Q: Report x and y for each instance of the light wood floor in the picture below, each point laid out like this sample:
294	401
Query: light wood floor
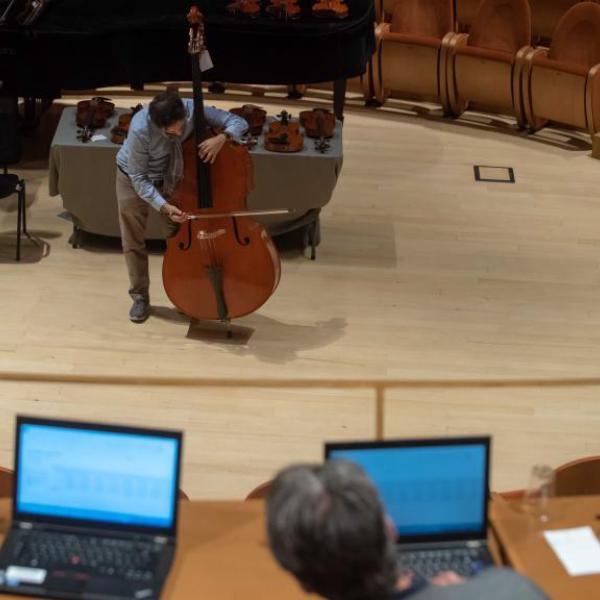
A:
422	274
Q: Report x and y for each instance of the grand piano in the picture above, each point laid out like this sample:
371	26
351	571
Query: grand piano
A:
79	44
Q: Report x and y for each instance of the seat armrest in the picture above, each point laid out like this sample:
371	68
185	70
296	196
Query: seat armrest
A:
592	100
527	61
450	42
381	29
518	66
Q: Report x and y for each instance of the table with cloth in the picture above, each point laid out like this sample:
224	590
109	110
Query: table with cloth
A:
84	175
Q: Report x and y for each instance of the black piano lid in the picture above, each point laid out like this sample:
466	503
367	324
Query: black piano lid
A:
78	44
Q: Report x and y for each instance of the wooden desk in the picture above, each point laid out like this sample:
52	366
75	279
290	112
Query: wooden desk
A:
222	555
526	550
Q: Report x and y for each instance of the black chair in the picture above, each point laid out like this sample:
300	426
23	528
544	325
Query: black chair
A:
10	152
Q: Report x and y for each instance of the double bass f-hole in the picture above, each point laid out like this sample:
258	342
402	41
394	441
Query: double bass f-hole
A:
236	231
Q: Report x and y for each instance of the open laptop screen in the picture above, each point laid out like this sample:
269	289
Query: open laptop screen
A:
431	489
113	476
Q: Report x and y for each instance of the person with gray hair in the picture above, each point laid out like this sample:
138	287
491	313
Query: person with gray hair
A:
327	526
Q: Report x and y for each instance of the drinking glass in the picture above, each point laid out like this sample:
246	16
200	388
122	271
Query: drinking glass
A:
541	487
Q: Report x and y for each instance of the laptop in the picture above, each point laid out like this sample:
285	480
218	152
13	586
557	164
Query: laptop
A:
94	510
436	492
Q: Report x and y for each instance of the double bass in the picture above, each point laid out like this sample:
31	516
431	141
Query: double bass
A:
221	264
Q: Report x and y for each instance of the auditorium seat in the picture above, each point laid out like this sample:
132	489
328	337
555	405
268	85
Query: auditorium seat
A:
6	482
562	84
409	49
384	9
260	491
466	10
579	477
545	15
484	66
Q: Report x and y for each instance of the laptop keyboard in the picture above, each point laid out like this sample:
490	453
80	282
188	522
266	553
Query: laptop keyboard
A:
428	563
134	561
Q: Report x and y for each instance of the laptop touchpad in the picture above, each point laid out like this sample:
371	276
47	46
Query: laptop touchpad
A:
109	586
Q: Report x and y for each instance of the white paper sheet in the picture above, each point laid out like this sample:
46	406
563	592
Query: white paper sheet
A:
98	137
578	549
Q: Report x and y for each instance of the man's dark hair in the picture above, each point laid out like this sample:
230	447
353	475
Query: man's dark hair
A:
327	526
166	108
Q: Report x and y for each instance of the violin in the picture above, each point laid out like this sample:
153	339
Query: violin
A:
119	132
254	115
284	9
330	9
318	123
221	264
91	115
246	8
284	135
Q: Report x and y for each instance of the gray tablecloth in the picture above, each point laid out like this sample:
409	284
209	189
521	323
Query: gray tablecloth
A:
84	175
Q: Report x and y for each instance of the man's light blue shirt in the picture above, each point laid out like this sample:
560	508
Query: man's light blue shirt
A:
146	153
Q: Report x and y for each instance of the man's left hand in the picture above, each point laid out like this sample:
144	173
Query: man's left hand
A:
210	147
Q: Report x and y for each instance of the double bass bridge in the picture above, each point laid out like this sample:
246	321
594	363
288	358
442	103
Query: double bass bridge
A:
210	235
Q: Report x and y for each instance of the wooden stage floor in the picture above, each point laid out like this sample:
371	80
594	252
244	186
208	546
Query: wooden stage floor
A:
423	273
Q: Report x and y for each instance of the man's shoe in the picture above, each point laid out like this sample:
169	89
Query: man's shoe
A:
139	311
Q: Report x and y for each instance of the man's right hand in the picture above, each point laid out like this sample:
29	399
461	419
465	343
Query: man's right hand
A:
174	213
447	578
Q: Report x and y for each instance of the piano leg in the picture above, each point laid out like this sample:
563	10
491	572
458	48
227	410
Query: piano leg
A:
294	92
29	111
339	98
216	87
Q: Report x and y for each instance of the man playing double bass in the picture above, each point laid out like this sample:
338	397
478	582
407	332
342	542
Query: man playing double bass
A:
149	167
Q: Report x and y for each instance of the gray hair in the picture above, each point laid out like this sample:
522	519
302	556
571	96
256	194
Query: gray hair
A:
326	525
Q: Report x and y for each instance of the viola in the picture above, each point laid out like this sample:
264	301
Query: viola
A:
284	135
254	115
330	9
284	9
91	115
119	132
221	264
245	8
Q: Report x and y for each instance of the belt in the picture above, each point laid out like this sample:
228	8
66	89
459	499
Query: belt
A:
155	183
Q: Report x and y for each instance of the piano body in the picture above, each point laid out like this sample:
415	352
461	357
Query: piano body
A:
78	44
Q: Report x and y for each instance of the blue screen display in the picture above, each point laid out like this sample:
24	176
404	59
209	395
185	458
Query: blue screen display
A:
112	477
428	490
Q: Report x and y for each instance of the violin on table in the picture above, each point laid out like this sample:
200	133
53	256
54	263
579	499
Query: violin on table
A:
318	123
330	9
119	132
284	9
244	8
284	135
91	115
254	115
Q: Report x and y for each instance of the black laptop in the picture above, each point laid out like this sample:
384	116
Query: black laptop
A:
436	492
94	511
